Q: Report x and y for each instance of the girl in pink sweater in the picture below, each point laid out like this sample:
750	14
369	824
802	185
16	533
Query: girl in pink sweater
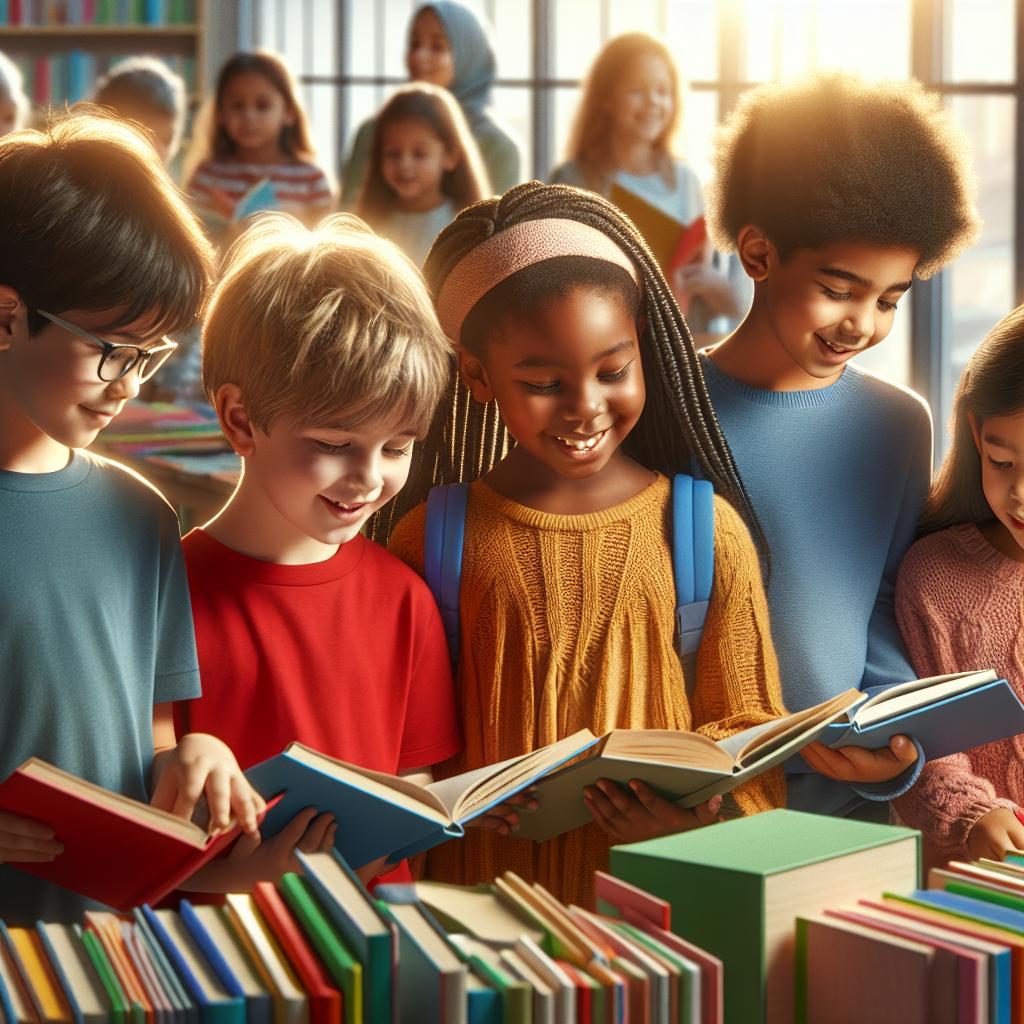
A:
960	601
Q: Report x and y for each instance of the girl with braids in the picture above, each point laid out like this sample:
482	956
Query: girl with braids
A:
578	396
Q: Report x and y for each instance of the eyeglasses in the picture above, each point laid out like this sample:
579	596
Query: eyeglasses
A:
119	360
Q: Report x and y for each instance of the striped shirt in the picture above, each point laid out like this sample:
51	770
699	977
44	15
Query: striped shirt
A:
298	186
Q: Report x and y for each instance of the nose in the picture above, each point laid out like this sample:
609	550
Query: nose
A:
859	324
126	387
585	403
366	475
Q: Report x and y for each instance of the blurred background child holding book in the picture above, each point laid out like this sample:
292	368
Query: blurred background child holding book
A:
13	101
424	167
572	346
960	601
255	130
621	145
450	46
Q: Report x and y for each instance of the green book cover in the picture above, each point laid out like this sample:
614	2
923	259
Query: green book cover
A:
95	951
343	967
980	892
727	884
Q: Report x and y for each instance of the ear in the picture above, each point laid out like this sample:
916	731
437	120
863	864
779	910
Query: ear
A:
756	251
975	429
474	376
451	160
13	316
234	420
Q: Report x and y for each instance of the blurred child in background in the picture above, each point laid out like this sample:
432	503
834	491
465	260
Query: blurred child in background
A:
13	101
424	167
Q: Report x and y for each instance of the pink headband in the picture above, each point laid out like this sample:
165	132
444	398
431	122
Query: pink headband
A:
511	250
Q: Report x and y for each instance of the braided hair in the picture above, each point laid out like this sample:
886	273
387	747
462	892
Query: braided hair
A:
677	432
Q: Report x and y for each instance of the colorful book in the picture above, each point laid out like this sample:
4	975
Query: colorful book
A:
361	926
259	198
736	888
325	996
117	850
485	961
40	982
81	984
672	243
120	1011
477	911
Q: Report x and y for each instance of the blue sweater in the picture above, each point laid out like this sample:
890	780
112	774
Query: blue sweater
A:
837	477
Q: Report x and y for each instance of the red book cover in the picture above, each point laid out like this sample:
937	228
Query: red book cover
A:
325	1006
116	850
689	246
584	1008
14	12
630	902
41	81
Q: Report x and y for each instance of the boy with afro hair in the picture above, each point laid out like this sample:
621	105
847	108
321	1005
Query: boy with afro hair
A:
835	193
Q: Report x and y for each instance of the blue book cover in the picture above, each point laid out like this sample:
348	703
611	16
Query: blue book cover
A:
186	1010
381	815
962	715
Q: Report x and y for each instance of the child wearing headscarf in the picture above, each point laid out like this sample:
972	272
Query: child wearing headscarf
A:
449	46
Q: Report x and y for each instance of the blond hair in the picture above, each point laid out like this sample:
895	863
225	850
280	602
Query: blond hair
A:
332	326
591	134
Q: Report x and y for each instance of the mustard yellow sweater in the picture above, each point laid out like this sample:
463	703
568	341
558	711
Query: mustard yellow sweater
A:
567	623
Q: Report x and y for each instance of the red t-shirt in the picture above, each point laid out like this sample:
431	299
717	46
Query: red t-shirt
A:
347	656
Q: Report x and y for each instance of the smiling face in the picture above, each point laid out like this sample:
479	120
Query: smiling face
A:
1000	443
320	484
413	164
253	112
821	307
50	385
429	57
641	103
568	382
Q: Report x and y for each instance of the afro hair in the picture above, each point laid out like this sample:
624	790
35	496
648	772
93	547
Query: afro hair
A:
833	158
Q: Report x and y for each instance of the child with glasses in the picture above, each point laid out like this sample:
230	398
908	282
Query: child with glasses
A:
99	258
324	360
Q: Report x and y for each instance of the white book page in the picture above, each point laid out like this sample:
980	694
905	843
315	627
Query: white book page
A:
919	693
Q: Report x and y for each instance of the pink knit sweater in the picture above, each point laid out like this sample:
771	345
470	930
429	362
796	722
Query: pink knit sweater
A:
960	606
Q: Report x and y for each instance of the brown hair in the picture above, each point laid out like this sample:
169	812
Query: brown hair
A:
140	87
590	139
991	385
466	183
323	323
834	158
212	141
92	221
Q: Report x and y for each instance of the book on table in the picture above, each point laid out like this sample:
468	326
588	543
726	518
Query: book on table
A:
117	850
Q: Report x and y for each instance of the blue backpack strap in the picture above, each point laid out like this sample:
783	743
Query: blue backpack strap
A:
693	564
442	554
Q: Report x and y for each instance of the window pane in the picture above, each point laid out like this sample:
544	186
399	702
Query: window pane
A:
981	280
513	36
360	47
577	37
566	103
980	40
692	32
633	16
788	38
513	107
395	24
700	117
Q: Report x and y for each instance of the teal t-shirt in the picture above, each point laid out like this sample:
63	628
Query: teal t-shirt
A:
97	628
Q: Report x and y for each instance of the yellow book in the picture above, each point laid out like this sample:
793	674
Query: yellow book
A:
38	974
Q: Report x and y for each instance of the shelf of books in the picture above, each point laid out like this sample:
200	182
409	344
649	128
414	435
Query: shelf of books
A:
62	46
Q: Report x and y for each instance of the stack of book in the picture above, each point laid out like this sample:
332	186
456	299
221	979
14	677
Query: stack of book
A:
97	12
949	954
318	948
185	438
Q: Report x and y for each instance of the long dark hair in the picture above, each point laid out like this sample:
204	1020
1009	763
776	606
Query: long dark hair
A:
991	385
677	432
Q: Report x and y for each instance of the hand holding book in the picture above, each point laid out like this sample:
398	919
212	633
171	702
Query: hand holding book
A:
26	840
860	764
634	813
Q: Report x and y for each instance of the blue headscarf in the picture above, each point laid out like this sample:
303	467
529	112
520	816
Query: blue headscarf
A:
472	55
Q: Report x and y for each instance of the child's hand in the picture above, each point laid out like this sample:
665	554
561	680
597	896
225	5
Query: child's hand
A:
629	817
251	860
994	833
24	840
200	764
504	819
857	764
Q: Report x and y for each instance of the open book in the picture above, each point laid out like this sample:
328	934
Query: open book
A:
673	243
383	815
258	199
945	714
116	850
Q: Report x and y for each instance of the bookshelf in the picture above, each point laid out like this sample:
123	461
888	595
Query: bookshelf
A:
63	46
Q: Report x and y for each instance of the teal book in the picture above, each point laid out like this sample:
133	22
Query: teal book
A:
354	914
396	817
945	714
737	887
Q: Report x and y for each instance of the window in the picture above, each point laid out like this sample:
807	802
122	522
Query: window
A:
349	55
